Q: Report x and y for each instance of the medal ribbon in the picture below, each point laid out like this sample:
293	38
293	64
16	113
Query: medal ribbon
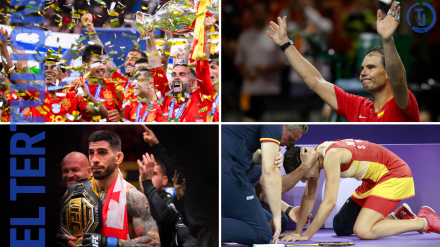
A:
214	107
147	111
179	112
98	90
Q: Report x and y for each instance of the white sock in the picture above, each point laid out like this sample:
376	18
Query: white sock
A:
426	224
394	216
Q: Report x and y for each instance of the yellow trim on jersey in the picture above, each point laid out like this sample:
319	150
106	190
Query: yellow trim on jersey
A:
269	140
393	189
376	171
380	114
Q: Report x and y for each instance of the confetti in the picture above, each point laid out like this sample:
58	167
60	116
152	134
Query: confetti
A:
128	36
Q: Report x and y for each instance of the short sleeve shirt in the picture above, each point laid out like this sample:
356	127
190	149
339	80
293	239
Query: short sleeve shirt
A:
360	109
239	142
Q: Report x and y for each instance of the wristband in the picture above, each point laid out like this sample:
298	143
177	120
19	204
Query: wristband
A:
288	210
112	242
286	45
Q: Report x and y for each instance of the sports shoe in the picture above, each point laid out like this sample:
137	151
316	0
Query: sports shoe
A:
426	210
433	222
404	212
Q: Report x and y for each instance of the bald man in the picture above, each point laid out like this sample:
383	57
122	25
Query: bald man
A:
74	166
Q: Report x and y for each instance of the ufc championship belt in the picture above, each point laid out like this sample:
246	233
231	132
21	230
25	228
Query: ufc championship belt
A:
81	210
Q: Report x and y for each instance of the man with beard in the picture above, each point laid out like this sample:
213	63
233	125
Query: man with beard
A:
74	166
144	107
392	100
130	71
182	103
96	82
59	104
126	212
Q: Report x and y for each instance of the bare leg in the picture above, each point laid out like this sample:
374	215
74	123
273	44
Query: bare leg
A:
372	225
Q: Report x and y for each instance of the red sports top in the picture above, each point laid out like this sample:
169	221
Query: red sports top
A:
125	84
195	109
374	164
360	109
112	96
131	110
58	107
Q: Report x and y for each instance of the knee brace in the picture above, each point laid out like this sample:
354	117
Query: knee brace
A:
344	220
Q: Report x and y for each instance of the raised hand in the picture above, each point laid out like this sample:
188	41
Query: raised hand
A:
149	136
89	22
4	36
279	35
180	188
146	167
388	25
209	22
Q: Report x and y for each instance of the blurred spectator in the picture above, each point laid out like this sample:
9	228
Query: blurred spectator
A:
310	31
258	60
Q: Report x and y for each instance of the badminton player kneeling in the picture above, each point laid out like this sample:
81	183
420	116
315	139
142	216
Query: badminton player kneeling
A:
386	180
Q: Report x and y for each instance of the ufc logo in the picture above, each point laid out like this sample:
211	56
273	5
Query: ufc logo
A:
94	240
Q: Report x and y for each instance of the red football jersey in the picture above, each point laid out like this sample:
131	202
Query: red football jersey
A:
359	109
195	109
131	111
161	87
59	107
125	83
109	93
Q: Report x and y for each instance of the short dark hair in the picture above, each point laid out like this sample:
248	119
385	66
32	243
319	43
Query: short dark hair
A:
96	49
141	60
162	167
213	59
108	136
378	49
56	59
193	72
143	54
292	159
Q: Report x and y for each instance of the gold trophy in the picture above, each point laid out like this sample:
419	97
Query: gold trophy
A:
175	16
81	210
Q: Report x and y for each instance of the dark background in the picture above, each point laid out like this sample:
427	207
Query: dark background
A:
195	148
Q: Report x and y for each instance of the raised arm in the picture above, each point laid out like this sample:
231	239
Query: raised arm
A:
152	51
159	151
272	183
166	50
6	58
87	20
393	64
159	208
304	68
